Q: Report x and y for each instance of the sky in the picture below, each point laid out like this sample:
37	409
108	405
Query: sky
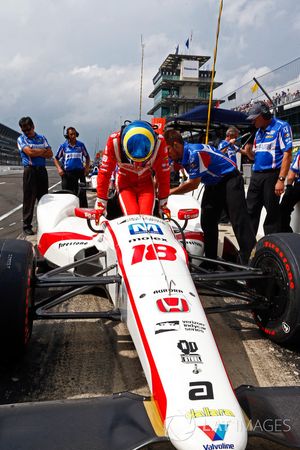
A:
78	62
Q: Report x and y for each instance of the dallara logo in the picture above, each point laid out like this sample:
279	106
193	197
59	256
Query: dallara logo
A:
208	412
145	227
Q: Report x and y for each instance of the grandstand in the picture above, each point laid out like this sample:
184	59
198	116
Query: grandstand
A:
9	155
283	87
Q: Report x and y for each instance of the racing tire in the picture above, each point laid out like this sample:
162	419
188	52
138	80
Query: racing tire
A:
16	295
279	255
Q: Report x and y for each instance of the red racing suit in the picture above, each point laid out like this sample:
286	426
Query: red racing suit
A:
135	181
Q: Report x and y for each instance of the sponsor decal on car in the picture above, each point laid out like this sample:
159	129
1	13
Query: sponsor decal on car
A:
145	238
222	446
162	327
172	304
69	243
192	325
201	390
216	434
189	355
208	412
135	218
144	227
162	291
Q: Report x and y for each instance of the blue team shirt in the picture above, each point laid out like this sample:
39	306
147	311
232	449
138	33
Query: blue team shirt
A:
72	157
37	141
270	145
207	162
295	166
230	150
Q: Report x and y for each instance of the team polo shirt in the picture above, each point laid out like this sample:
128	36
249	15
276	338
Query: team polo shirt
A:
270	145
37	141
295	166
207	162
72	156
230	150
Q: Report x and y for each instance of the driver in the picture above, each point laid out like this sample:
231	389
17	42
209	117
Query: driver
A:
141	159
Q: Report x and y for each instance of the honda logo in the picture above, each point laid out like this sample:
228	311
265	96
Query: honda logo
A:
172	304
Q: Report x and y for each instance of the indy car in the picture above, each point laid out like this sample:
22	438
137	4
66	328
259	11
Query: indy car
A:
154	273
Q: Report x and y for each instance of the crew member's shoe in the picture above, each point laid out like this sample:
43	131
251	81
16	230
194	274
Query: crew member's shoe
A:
28	231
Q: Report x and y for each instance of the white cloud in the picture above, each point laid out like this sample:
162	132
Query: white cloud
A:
244	13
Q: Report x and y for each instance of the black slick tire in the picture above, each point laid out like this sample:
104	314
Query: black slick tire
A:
16	295
279	256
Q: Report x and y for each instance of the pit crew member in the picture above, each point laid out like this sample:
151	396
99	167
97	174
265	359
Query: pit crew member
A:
73	164
34	150
272	155
224	189
230	150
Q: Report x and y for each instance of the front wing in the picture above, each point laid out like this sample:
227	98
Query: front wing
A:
127	421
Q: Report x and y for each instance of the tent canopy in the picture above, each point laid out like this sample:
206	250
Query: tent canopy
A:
219	116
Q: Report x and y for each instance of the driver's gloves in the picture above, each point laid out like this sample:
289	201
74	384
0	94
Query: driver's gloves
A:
101	207
163	209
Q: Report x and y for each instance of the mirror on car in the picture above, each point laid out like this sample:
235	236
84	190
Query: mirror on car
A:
187	214
85	213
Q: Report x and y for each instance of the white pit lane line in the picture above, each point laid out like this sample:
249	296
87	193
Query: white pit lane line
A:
9	213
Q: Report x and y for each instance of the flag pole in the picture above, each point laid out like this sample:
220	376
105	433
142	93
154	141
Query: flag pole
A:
266	94
213	73
141	83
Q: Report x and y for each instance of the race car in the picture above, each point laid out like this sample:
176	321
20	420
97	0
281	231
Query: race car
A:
152	270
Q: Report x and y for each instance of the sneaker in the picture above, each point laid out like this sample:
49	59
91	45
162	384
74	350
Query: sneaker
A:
28	231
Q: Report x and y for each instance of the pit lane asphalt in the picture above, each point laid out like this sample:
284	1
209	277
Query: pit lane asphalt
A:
11	198
79	359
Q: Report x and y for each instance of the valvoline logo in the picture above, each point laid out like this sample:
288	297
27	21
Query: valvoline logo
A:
215	435
145	227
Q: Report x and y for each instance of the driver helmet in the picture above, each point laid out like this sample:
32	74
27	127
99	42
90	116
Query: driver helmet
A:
138	141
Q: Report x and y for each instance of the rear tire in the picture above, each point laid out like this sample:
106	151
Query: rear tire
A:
279	255
16	295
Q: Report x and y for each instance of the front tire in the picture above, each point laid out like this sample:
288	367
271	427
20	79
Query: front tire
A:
16	295
279	256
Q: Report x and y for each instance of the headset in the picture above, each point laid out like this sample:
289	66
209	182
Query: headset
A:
66	130
265	112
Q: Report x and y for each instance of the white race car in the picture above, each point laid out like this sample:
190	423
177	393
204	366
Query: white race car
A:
152	270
